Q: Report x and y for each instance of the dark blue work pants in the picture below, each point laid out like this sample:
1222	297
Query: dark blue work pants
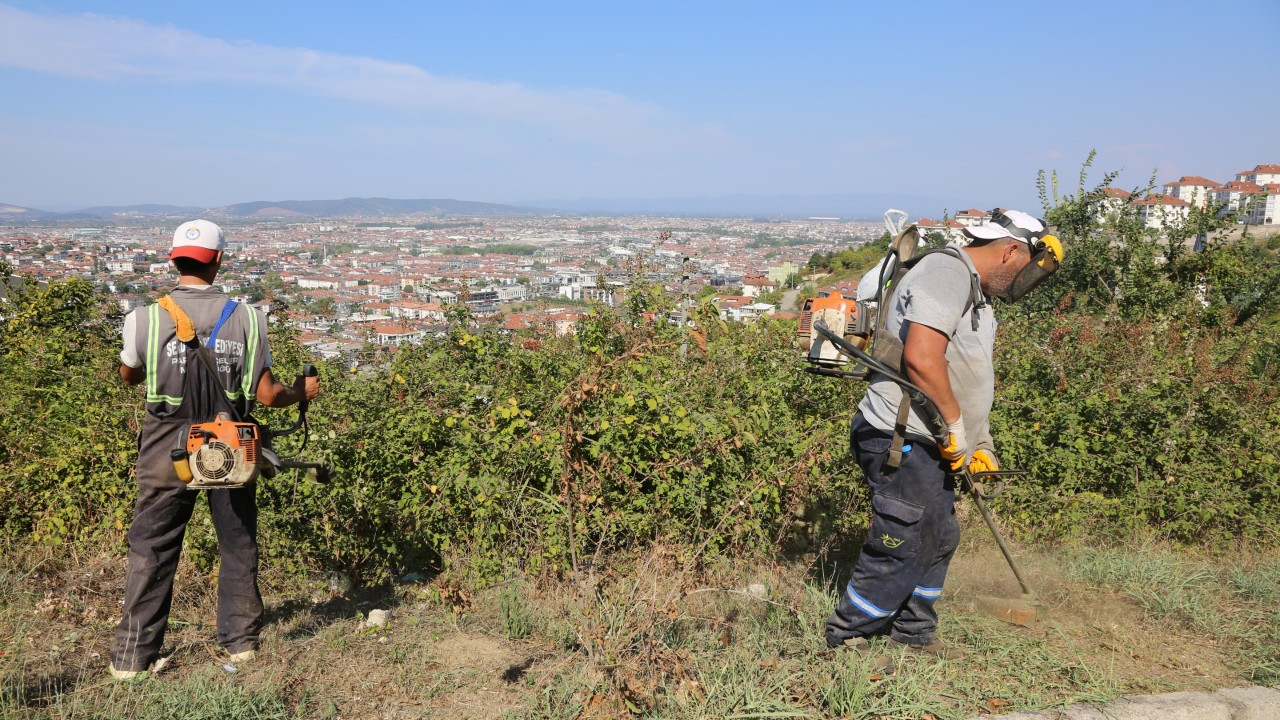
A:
914	533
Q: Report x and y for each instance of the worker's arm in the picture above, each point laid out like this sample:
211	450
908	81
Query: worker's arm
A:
131	368
272	393
131	375
924	356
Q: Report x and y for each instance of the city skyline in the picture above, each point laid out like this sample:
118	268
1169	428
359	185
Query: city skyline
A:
957	106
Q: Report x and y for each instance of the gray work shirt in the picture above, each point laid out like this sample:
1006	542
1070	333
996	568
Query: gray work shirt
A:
934	293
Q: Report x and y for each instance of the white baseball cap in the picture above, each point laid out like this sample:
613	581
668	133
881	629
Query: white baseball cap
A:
199	240
1007	224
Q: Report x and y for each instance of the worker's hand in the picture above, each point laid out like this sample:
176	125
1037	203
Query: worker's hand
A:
308	388
953	452
983	461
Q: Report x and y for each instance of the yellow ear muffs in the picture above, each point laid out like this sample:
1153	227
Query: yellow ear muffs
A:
1054	246
186	331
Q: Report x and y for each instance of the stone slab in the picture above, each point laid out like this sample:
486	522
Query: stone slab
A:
1247	703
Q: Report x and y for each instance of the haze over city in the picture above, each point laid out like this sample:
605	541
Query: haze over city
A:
829	107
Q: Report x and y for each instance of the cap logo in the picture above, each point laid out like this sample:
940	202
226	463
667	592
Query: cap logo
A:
193	233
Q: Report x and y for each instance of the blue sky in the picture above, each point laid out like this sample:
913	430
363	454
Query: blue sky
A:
214	103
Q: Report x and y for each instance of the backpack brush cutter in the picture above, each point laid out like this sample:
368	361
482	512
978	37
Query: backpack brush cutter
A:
828	350
225	453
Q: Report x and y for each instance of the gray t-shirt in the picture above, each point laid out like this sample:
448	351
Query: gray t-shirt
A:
934	293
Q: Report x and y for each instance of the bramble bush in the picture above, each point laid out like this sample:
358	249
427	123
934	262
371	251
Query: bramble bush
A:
1139	386
1142	385
478	449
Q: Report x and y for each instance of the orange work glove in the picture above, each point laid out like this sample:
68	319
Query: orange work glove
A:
983	461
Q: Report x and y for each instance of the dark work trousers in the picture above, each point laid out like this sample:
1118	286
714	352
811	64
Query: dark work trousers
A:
914	533
155	540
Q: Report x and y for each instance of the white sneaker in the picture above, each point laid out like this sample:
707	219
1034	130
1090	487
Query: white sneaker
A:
125	674
244	656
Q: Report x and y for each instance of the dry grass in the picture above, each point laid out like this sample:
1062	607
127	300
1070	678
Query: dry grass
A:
646	636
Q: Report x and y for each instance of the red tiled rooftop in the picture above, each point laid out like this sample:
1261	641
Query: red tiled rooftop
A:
1158	199
1242	186
1192	180
385	328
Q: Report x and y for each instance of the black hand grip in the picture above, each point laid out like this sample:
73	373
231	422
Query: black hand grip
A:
308	370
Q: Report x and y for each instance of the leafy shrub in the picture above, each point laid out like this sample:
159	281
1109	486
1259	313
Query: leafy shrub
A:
1140	387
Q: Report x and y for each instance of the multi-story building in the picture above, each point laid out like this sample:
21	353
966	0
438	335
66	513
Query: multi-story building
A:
971	217
1158	211
1234	195
1192	188
1265	210
1260	175
1113	202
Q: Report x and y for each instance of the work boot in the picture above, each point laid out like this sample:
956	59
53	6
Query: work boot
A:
861	647
243	656
125	674
935	648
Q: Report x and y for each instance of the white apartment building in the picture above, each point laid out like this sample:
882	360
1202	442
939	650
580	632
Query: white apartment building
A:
1192	188
319	283
1112	204
1266	211
511	293
1260	175
1235	194
396	335
972	217
417	310
1157	211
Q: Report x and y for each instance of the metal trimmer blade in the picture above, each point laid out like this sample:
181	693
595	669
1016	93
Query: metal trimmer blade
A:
1025	610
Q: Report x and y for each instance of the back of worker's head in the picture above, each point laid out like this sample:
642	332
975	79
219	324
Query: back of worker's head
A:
197	248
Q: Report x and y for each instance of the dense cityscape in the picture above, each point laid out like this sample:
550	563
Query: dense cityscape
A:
351	282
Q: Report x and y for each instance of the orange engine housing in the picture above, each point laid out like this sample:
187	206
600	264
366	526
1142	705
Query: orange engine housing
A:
243	436
835	301
838	314
223	453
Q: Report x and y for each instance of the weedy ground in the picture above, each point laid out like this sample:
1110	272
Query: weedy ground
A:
646	636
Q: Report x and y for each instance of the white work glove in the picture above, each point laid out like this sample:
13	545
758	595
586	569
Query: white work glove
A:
957	441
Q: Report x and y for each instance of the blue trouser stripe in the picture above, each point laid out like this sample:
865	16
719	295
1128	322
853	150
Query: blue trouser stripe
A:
865	605
927	593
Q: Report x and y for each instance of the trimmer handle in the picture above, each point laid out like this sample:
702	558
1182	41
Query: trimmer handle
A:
308	370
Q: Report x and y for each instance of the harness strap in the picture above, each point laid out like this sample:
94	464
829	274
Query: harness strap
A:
187	335
899	431
227	311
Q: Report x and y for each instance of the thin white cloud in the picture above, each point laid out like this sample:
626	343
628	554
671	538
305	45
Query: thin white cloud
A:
99	47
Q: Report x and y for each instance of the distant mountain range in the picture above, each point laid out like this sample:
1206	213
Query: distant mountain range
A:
845	206
267	209
365	207
830	205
